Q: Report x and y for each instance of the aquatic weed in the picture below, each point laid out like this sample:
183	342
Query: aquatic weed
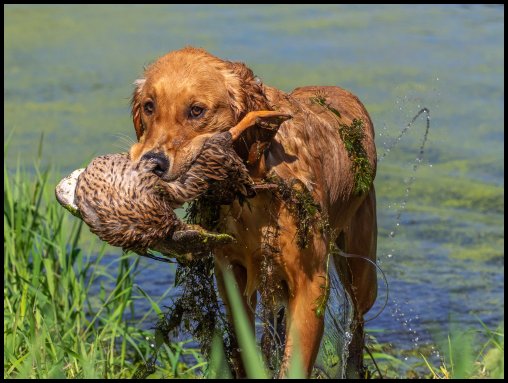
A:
352	136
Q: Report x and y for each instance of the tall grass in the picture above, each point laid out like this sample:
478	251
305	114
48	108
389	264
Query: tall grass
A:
54	327
467	358
465	354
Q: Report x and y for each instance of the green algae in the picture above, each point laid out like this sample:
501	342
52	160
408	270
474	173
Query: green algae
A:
321	100
301	204
352	137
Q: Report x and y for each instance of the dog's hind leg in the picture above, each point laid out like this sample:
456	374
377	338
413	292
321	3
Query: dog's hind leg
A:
274	338
358	275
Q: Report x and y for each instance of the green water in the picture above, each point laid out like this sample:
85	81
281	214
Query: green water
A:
68	73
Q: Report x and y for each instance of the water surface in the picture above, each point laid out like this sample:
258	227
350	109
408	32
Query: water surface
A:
68	73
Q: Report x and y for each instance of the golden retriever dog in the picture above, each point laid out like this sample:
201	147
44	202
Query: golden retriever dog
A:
188	94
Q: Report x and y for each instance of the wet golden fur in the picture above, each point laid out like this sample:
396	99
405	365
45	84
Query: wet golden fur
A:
307	148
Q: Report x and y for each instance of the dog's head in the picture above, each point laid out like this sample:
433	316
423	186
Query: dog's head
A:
184	97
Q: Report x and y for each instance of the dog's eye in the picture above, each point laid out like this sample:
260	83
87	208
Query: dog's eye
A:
149	107
196	111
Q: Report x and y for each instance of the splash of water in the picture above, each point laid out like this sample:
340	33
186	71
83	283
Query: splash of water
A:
417	162
407	320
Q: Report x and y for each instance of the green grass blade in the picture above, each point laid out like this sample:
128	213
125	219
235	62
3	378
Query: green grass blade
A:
218	367
251	357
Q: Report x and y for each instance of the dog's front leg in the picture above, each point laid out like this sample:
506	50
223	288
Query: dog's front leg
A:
304	327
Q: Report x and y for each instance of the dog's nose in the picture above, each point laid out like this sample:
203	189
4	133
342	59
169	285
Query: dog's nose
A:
160	161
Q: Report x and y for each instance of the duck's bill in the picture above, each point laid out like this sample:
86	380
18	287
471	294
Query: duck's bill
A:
66	190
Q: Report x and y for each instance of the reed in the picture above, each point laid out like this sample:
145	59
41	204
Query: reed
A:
473	353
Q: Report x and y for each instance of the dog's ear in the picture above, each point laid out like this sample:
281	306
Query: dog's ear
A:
136	107
245	90
247	94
